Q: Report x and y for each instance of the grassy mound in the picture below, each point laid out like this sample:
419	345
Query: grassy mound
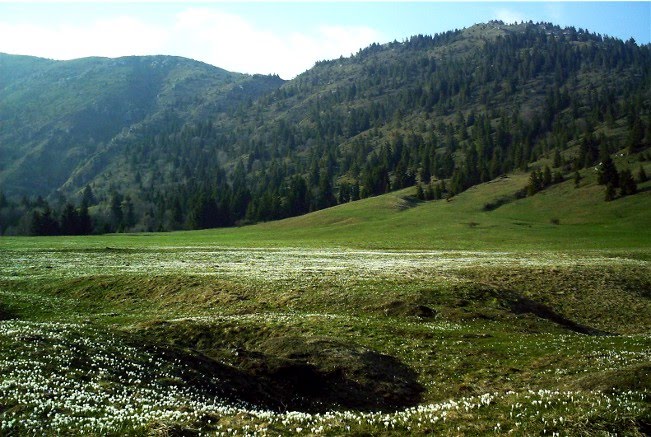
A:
299	372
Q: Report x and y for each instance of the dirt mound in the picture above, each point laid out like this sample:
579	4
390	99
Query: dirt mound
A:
637	377
523	305
400	308
485	301
290	371
5	314
329	373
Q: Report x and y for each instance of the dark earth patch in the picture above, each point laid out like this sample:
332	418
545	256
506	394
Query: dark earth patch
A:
293	372
404	308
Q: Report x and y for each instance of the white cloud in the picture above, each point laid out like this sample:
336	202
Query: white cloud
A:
231	42
118	36
205	33
509	16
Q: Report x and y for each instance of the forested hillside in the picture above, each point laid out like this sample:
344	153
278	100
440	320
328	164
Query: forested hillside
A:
149	145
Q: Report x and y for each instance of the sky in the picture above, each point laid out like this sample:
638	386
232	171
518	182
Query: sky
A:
267	37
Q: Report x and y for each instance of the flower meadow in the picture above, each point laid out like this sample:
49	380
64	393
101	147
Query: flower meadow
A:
70	378
304	265
74	365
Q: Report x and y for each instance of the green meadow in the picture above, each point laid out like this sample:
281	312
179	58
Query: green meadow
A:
481	314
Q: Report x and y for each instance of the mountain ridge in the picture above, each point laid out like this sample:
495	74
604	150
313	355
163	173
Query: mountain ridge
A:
446	111
126	98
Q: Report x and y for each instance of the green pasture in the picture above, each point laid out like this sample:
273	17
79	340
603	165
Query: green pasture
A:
387	316
559	218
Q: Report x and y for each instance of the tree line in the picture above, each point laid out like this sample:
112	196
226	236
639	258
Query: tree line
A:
391	116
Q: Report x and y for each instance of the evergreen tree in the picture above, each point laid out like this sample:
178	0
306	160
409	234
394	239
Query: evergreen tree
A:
298	198
557	158
117	215
425	170
176	214
577	179
240	199
70	220
635	136
85	224
610	192
627	183
420	194
44	223
608	173
547	177
588	151
128	213
325	197
535	183
438	191
35	226
88	197
344	193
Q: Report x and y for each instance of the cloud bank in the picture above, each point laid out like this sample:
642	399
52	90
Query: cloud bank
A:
206	34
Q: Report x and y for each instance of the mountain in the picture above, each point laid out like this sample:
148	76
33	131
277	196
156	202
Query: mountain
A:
68	119
159	143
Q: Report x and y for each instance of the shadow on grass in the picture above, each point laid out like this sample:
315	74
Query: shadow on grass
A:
520	305
295	373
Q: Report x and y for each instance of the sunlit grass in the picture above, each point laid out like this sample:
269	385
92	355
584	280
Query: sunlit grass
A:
107	334
85	349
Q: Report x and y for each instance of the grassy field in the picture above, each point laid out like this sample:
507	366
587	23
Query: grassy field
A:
386	316
558	218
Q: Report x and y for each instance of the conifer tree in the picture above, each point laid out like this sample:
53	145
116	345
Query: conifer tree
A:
354	191
608	173
88	197
557	158
69	220
44	223
627	183
547	177
577	179
344	193
420	194
635	135
438	191
116	211
85	223
535	183
610	192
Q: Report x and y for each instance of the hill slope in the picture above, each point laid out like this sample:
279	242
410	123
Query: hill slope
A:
446	112
61	117
561	218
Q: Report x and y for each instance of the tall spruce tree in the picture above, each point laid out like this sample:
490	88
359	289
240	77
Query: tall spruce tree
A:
627	183
608	173
610	192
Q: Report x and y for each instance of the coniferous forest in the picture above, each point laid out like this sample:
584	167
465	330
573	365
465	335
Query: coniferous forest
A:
162	143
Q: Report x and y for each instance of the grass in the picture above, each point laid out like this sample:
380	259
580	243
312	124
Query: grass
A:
384	316
397	221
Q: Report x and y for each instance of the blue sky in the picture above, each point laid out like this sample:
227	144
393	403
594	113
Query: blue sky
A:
272	37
